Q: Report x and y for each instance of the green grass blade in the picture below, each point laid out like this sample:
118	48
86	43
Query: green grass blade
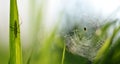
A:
103	55
15	46
63	55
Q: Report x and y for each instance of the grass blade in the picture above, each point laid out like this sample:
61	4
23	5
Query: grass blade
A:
15	46
63	55
104	54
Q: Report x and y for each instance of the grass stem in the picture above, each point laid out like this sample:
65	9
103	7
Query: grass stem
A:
15	46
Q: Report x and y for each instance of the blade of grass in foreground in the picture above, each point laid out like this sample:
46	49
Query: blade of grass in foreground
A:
103	54
15	46
63	55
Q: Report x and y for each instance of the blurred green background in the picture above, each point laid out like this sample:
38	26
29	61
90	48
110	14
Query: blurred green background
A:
41	22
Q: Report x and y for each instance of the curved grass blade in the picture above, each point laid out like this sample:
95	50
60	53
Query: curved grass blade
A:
115	52
15	46
104	52
63	55
107	26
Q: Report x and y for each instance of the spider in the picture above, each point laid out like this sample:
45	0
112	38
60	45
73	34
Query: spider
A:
15	28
